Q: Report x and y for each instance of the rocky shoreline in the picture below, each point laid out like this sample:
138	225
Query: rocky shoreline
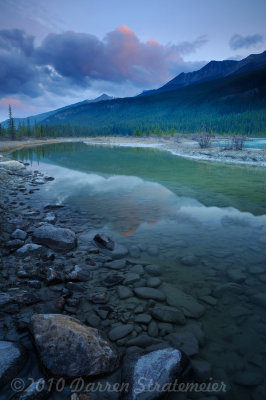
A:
132	324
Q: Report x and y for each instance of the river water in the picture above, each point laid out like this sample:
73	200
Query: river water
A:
167	210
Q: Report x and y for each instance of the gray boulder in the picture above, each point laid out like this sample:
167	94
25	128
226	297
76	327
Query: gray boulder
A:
154	369
61	239
13	357
71	349
30	249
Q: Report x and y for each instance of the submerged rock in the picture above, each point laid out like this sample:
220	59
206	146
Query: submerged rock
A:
120	331
56	238
13	357
149	293
104	241
69	348
155	370
168	314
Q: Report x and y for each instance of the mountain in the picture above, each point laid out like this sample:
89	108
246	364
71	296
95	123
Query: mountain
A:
41	117
235	103
213	70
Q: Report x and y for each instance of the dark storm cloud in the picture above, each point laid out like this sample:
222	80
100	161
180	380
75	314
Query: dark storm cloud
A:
240	42
70	59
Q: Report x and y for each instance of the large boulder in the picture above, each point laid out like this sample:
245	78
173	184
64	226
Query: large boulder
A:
56	238
153	370
71	349
13	357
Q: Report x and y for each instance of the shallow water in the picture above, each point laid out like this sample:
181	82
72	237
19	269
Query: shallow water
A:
255	143
164	208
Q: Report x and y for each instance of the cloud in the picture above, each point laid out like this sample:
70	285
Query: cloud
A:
68	62
239	41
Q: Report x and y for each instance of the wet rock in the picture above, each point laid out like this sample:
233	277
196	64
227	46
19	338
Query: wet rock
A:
13	357
143	319
19	223
60	239
53	207
14	244
209	300
185	341
69	348
38	390
177	298
131	277
142	341
19	234
48	178
34	284
112	280
120	331
104	311
236	276
149	293
60	303
157	368
93	320
39	181
138	269
53	277
116	264
22	274
154	282
50	218
11	165
100	298
153	270
189	261
232	287
202	369
168	314
124	292
153	329
104	241
73	301
78	274
30	249
5	298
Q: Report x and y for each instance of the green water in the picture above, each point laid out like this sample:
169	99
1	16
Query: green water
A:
164	208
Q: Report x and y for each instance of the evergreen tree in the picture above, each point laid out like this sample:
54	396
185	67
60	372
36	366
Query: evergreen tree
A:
11	124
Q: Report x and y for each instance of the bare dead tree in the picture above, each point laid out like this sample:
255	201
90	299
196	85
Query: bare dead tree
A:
204	140
238	142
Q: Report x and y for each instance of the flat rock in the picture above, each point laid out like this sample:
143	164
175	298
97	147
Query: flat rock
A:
104	241
19	234
153	270
142	371
60	239
168	314
154	282
149	293
116	264
13	357
124	292
120	331
71	349
30	249
143	318
131	277
112	280
189	260
177	298
142	341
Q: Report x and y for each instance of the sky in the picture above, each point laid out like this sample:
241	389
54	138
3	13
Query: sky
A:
58	52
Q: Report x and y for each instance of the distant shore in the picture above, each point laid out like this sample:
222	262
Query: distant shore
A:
183	147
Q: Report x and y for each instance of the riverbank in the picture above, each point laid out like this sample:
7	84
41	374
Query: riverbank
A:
182	147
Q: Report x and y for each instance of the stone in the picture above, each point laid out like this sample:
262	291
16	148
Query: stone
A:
11	165
259	299
14	244
93	320
116	264
30	249
156	369
13	357
50	218
19	234
61	239
232	287
112	280
53	277
142	341
154	282
202	369
100	298
138	269
104	311
124	292
153	329
209	300
168	314
153	270
131	277
78	274
236	276
120	332
189	260
143	319
149	293
104	241
185	341
48	178
34	284
177	298
68	348
37	390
